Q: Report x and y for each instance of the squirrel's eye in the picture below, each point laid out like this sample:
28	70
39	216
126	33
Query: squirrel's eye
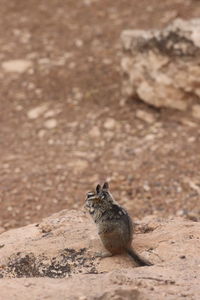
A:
90	194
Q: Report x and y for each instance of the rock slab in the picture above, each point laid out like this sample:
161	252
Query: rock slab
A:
55	259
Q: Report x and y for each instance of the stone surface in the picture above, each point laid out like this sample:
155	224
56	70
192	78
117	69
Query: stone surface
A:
145	116
18	65
161	67
36	112
63	246
110	124
95	132
196	111
50	124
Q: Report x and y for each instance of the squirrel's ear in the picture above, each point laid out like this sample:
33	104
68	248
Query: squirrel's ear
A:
105	186
98	188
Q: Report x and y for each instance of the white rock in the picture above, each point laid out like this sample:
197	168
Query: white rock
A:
188	123
149	137
41	133
78	43
191	139
50	124
95	132
196	111
110	124
44	61
107	61
35	112
50	113
51	142
146	187
161	70
18	65
145	116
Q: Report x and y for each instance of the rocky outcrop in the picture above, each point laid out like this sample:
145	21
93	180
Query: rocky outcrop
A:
162	67
63	247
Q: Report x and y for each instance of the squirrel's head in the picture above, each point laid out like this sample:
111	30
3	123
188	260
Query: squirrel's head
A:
100	199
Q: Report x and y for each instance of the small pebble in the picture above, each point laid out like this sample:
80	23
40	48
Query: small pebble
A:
50	124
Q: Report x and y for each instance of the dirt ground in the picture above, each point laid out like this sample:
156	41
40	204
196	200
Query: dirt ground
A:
82	133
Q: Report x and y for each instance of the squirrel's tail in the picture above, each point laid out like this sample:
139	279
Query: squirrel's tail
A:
139	260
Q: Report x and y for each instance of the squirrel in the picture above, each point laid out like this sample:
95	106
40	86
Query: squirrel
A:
114	224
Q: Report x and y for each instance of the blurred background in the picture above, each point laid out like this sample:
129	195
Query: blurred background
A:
64	125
